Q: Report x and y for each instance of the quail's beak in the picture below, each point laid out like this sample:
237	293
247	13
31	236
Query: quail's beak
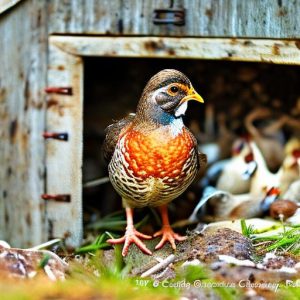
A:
192	95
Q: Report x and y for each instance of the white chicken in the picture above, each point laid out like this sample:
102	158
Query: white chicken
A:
232	178
263	179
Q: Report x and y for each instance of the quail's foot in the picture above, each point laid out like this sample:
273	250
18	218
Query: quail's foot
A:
132	236
168	235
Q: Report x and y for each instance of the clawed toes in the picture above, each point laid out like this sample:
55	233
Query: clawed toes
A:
132	237
168	235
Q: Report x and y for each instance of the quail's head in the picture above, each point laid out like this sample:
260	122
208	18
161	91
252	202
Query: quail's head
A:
166	96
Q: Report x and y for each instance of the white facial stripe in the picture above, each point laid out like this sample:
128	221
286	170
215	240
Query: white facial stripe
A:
180	111
176	126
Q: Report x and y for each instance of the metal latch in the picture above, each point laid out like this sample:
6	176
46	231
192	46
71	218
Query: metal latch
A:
175	16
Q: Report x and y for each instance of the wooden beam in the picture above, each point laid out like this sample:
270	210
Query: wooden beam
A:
253	50
7	4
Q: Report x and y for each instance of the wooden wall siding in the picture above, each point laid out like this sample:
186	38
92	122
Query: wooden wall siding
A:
64	158
23	43
216	18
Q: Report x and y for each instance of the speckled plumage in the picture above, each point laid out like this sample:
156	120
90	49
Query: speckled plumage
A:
153	168
152	156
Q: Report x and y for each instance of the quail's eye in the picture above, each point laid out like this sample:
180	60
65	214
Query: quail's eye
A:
173	90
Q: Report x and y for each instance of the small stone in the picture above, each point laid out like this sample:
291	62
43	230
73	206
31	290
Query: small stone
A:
294	219
232	260
271	261
283	209
222	241
25	263
194	262
297	266
255	223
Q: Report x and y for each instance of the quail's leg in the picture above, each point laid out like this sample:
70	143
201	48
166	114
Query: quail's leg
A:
167	232
131	236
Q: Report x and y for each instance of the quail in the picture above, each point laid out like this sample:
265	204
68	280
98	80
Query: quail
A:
152	157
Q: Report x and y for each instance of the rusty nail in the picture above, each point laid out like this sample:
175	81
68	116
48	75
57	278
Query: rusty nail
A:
62	136
57	197
59	90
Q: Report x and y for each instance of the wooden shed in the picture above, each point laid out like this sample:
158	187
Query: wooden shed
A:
44	45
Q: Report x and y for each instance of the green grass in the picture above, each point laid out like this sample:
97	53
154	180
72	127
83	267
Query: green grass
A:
247	231
108	227
287	240
89	278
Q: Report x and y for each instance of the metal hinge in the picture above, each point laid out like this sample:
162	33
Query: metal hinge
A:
175	16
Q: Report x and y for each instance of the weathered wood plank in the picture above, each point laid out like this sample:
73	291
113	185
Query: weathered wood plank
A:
108	17
22	114
256	50
218	18
7	4
64	158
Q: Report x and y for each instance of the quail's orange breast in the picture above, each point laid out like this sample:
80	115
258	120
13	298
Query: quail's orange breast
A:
154	156
153	169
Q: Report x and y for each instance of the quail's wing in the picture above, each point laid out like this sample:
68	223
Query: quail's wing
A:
202	162
202	159
112	135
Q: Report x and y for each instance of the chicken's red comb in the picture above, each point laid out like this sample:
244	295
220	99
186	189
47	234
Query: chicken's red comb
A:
249	157
296	153
246	137
273	191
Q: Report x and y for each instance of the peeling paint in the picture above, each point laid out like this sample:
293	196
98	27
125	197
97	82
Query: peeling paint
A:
154	45
26	95
52	102
13	129
9	172
2	95
233	41
61	67
282	12
276	49
209	13
248	43
171	52
28	219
